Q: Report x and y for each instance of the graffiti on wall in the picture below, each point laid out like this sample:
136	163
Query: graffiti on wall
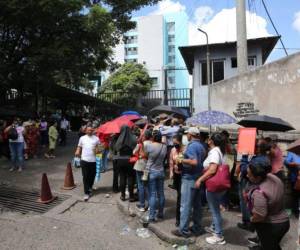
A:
244	109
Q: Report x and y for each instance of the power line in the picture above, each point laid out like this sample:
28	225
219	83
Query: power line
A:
269	16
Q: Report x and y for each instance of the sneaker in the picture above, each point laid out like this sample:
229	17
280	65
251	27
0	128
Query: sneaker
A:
86	197
20	169
209	230
246	226
215	240
197	233
253	240
140	208
11	169
47	156
178	233
256	247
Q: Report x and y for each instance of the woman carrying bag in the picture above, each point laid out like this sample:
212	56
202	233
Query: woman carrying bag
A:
124	146
217	179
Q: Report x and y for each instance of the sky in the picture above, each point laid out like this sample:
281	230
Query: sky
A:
217	18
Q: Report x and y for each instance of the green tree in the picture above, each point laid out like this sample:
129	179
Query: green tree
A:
43	42
127	84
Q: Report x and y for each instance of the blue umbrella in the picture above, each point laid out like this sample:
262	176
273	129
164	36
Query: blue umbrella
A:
212	117
130	112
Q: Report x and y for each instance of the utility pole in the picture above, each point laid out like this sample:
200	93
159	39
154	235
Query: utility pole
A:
241	35
166	86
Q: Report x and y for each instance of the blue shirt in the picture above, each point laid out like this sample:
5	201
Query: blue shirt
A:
169	132
194	151
291	157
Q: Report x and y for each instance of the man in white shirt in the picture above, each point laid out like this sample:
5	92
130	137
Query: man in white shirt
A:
87	149
64	127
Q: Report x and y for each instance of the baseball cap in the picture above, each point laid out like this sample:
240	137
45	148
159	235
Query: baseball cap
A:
193	131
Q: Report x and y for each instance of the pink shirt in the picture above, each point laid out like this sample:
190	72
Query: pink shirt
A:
277	160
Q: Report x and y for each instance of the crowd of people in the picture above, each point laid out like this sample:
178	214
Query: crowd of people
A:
22	140
144	156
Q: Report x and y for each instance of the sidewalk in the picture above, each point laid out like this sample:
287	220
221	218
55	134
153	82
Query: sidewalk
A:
236	239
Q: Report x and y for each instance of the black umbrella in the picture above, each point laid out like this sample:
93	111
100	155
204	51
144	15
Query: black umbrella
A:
266	123
168	110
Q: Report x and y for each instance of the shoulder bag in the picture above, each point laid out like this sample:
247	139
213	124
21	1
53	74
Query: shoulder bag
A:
220	181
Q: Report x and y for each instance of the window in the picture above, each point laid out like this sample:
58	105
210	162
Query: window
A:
130	39
171	80
171	49
130	51
171	27
130	60
252	61
216	71
233	62
154	81
171	38
171	59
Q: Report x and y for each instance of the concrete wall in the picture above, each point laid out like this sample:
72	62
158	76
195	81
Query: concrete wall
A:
272	89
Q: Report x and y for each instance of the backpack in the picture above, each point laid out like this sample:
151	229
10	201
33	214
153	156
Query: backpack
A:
13	134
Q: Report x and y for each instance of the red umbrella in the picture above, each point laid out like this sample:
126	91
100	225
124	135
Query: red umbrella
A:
114	126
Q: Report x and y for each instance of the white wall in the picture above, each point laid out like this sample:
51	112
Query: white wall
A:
201	92
150	45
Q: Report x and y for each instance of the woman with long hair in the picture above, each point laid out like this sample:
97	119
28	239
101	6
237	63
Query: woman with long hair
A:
214	159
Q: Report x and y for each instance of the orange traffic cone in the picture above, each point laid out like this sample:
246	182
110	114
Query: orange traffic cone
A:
69	179
46	195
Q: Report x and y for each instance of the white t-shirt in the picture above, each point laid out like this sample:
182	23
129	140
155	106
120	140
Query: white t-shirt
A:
88	145
20	131
64	124
214	156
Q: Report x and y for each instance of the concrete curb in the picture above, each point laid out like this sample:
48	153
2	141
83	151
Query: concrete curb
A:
154	228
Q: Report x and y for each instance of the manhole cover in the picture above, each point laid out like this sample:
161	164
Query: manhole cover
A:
14	199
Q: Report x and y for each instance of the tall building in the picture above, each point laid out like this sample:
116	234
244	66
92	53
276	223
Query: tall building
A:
154	42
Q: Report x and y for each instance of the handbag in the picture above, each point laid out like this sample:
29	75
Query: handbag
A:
297	183
220	181
134	158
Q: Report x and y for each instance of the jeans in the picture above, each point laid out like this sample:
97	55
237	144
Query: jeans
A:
214	200
190	200
88	173
63	137
105	159
270	234
16	153
156	190
243	205
142	188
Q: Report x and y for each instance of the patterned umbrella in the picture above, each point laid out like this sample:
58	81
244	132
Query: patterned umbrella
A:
212	117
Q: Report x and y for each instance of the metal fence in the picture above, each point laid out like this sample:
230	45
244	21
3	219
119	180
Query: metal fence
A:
173	97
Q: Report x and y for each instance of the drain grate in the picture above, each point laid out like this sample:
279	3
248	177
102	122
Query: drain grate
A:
19	200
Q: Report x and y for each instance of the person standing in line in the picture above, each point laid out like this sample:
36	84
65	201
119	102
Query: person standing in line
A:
16	144
64	127
32	139
53	136
265	200
139	167
44	132
124	147
175	171
87	149
214	159
156	153
276	158
192	166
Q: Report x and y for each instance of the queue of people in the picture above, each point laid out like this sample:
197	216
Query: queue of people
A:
144	158
22	140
